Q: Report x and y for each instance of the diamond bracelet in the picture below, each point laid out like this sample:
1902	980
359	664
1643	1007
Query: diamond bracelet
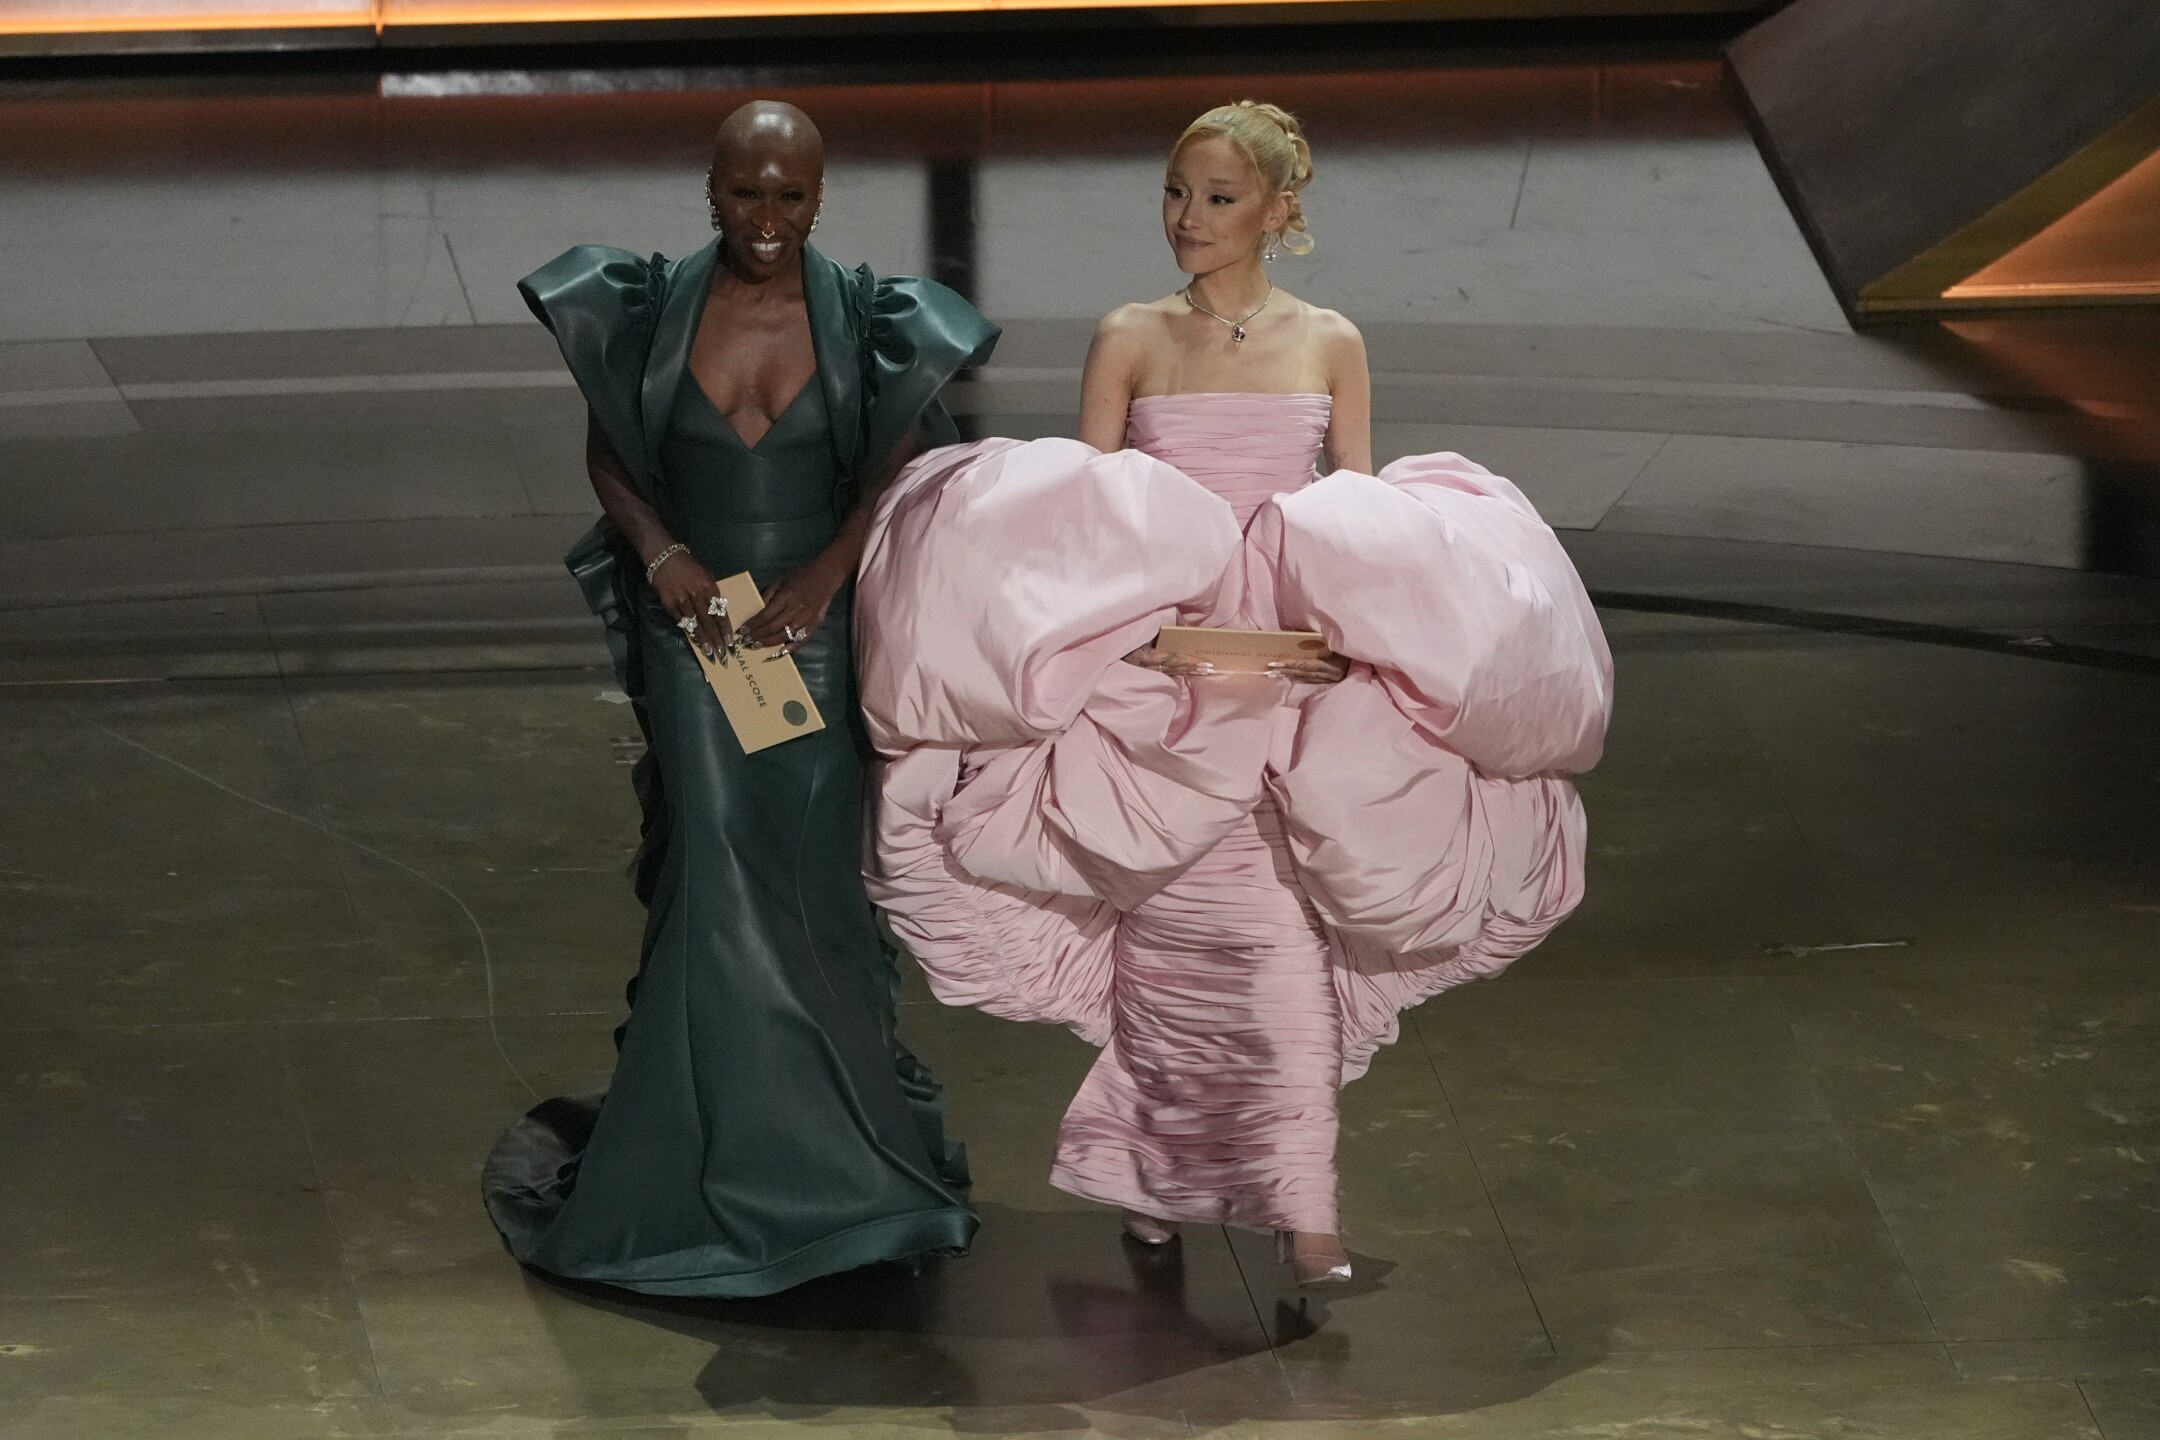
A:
661	559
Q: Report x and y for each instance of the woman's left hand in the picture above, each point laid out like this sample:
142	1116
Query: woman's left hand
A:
1310	672
795	608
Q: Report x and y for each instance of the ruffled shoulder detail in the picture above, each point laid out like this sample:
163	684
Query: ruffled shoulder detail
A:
602	304
917	334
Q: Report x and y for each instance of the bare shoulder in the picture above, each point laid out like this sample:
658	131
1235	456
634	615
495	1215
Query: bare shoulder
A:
1338	349
1125	337
1334	333
1136	323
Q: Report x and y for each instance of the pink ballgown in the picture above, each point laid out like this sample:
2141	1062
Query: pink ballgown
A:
1232	885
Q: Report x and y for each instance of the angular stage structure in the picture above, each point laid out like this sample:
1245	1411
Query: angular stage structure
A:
1949	155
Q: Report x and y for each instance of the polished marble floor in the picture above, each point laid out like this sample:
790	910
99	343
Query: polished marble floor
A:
1834	1113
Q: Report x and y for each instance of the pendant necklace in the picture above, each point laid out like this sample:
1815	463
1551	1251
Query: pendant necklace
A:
1237	327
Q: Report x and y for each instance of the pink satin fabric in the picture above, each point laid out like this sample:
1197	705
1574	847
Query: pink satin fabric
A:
1233	885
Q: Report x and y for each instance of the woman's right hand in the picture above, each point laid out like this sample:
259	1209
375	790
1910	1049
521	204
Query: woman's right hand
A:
1168	662
687	590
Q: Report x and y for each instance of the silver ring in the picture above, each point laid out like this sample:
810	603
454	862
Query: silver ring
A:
717	606
687	624
794	636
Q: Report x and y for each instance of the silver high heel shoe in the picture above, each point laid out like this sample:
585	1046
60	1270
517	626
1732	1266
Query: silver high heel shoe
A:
1311	1271
1148	1230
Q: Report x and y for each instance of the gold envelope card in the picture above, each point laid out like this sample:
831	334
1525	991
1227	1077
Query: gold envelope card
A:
762	691
1242	650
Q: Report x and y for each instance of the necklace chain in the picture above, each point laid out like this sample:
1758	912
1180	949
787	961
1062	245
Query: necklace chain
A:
1237	327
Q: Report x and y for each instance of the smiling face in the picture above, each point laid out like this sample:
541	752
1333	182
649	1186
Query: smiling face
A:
1216	209
768	176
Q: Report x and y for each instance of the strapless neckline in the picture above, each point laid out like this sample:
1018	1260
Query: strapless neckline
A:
1234	395
1243	445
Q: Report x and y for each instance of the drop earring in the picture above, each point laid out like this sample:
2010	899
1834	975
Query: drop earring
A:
712	207
1267	251
818	217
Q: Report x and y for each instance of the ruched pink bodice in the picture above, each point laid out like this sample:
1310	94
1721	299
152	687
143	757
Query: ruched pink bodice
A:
1244	448
1231	884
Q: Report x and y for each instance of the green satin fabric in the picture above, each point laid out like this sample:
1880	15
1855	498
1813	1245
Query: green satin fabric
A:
764	1124
885	347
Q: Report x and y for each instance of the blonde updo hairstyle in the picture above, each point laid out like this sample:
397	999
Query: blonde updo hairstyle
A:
1269	137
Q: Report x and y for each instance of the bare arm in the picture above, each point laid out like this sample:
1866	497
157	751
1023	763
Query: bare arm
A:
1106	389
1349	436
632	513
684	586
1106	385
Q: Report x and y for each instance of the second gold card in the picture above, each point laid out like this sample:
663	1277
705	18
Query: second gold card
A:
762	691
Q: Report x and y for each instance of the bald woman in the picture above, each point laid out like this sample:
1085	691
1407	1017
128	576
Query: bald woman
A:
746	403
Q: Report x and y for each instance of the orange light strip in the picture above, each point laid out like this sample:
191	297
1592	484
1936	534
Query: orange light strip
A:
93	19
2108	246
134	21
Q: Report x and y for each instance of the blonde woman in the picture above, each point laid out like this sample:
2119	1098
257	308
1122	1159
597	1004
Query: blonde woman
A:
1232	883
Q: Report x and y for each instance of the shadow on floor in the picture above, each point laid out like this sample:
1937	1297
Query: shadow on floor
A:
1050	1312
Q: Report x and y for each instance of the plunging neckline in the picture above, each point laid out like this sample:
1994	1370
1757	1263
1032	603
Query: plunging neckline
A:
727	422
817	363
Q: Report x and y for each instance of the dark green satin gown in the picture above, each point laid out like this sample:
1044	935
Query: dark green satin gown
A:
764	1124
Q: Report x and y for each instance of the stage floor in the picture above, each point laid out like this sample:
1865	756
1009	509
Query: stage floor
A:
1835	1112
1832	1113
